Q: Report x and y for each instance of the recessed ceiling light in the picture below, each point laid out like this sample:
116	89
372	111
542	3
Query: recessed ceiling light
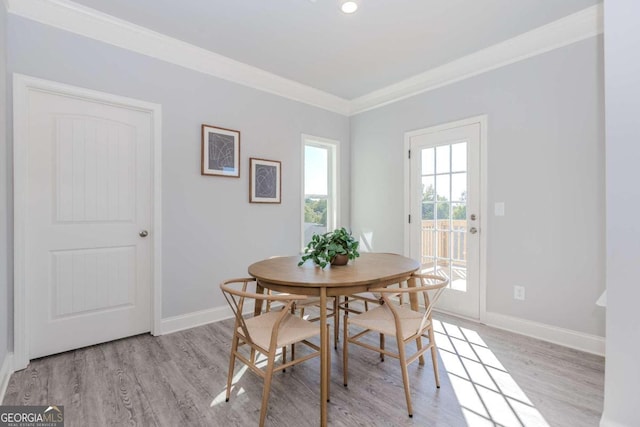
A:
349	6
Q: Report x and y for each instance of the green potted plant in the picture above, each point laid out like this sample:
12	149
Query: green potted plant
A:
336	247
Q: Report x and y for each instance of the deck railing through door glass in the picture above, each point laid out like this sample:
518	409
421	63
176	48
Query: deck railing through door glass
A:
444	250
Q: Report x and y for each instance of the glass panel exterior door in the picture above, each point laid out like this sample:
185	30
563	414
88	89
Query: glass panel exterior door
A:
444	192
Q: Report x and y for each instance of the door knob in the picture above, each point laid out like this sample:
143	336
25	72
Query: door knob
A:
473	230
144	233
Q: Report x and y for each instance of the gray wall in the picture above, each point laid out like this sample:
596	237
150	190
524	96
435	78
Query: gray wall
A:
211	232
623	202
545	161
5	190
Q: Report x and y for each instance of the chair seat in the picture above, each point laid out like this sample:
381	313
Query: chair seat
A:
292	329
380	319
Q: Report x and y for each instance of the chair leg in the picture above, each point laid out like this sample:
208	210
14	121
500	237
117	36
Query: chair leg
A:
336	322
345	348
284	357
381	347
232	364
419	347
405	375
293	346
434	357
268	375
328	367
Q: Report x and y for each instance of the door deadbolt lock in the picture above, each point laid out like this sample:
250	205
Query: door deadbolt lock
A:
472	217
144	233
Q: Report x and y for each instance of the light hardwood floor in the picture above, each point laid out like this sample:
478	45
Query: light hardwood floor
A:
489	377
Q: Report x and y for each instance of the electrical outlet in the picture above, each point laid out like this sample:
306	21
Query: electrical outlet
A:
518	293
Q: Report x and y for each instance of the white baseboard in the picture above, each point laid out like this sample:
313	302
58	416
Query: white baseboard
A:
199	318
191	320
566	337
450	313
6	369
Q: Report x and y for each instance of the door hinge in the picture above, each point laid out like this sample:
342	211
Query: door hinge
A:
409	153
409	219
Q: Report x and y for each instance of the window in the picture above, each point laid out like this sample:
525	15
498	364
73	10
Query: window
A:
319	187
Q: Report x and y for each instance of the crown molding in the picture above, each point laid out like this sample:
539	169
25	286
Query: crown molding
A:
78	19
571	29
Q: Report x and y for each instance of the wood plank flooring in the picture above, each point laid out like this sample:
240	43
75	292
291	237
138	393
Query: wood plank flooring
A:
488	377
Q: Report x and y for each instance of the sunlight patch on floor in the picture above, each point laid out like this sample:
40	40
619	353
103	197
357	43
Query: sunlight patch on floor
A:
261	362
221	397
487	393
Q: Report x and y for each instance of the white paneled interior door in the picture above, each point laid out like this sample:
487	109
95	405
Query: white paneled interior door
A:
88	222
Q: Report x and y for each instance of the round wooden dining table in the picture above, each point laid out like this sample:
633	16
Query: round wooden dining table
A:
370	270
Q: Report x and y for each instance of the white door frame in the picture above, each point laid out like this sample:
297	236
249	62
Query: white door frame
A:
482	121
22	85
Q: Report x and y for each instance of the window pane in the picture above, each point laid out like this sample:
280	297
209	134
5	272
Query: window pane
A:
458	241
459	157
442	212
442	188
428	190
442	159
427	161
315	217
428	241
459	187
315	211
459	213
443	222
427	211
316	170
442	251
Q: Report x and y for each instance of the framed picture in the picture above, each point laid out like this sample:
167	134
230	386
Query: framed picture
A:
264	181
220	151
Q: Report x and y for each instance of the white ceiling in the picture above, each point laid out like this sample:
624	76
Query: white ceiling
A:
313	43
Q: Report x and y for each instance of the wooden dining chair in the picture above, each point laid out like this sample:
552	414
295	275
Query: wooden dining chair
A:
364	299
398	320
332	312
300	306
266	333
